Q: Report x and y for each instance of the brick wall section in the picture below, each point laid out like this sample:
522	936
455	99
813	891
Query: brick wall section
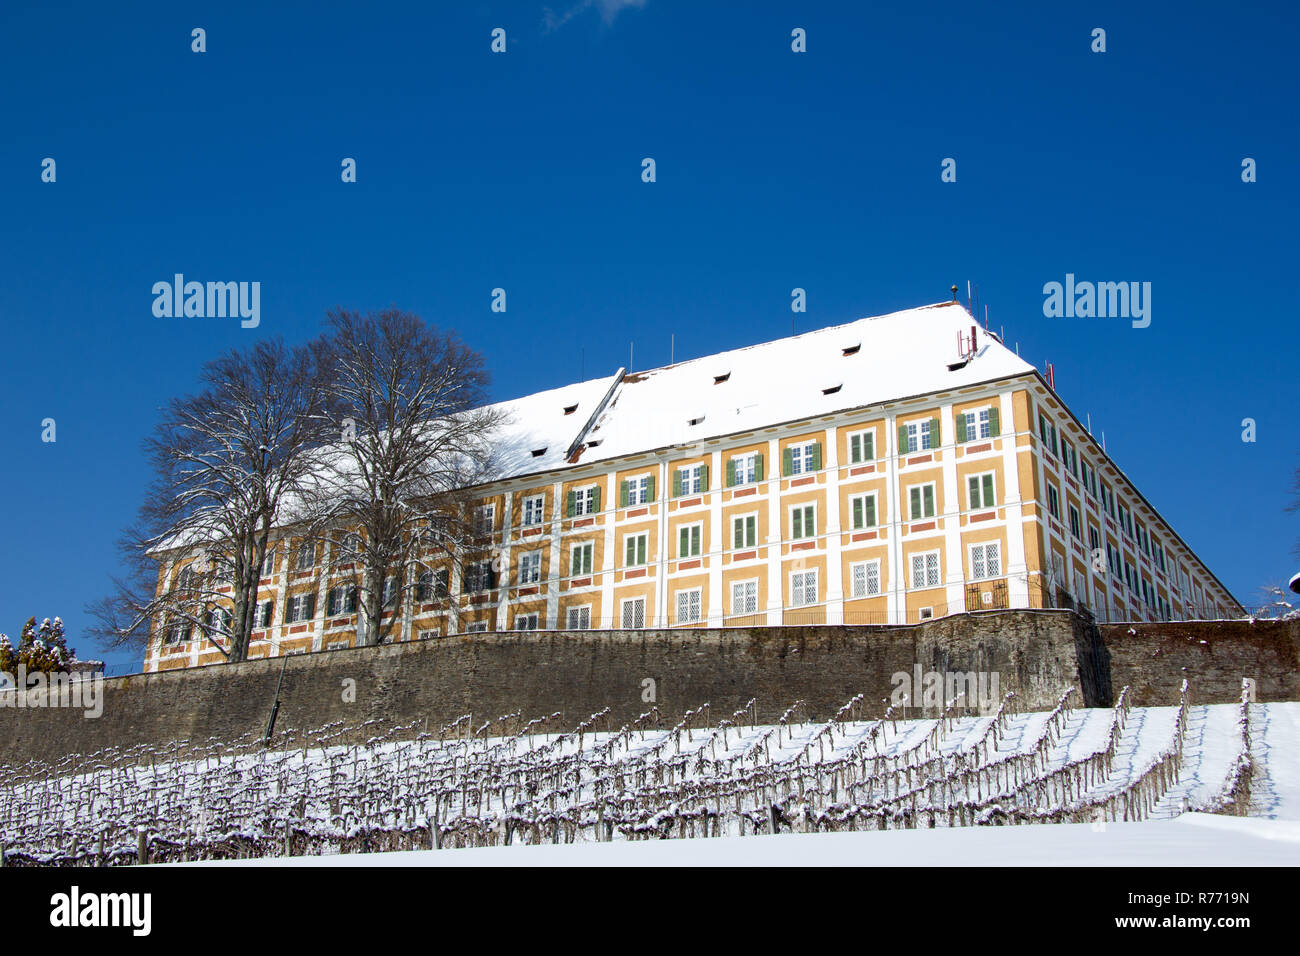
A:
1036	654
1214	655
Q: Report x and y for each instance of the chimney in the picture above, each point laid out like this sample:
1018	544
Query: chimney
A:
1051	377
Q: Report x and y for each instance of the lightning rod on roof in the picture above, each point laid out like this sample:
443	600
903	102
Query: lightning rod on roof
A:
954	293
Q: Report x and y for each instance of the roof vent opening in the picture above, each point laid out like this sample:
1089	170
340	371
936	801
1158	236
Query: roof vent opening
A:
539	452
831	390
570	409
594	442
852	349
696	421
719	379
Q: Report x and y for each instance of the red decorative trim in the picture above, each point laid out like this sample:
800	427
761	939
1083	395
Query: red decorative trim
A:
920	459
921	527
690	502
687	565
528	590
638	512
579	582
984	516
803	546
744	555
744	492
976	449
795	483
862	470
638	573
583	522
864	536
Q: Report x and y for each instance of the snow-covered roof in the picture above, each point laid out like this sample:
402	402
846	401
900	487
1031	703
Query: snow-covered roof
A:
537	430
861	363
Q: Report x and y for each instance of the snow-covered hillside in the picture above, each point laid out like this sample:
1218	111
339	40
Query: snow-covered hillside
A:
702	778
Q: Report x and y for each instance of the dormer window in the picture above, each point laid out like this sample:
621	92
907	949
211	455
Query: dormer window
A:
832	389
570	409
719	379
852	349
539	452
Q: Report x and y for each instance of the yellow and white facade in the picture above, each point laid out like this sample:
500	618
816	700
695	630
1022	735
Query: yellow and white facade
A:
886	471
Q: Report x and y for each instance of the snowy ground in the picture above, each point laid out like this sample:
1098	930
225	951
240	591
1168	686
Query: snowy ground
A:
850	790
1193	839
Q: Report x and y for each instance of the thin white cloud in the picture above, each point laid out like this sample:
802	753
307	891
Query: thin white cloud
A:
608	9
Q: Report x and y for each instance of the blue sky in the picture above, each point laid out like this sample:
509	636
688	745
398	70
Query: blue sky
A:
522	170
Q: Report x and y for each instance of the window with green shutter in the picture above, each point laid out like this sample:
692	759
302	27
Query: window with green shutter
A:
981	491
622	494
744	531
688	541
635	550
922	500
803	522
864	512
994	422
570	503
862	447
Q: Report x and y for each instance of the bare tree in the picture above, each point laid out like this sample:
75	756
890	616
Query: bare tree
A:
418	437
231	463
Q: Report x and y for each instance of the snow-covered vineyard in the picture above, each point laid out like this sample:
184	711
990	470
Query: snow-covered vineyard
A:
511	781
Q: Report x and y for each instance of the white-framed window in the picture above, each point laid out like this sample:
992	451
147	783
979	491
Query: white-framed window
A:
1069	458
1088	476
692	480
431	585
586	501
306	556
981	491
579	618
633	613
925	569
219	620
986	560
919	437
803	521
1126	520
478	577
1047	431
689	537
745	469
349	548
921	498
803	588
803	458
1053	502
268	561
862	447
864	578
265	613
485	518
638	489
744	597
1094	538
979	424
299	607
689	606
580	558
530	567
340	645
862	511
340	600
926	613
476	627
635	547
744	531
534	511
527	622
